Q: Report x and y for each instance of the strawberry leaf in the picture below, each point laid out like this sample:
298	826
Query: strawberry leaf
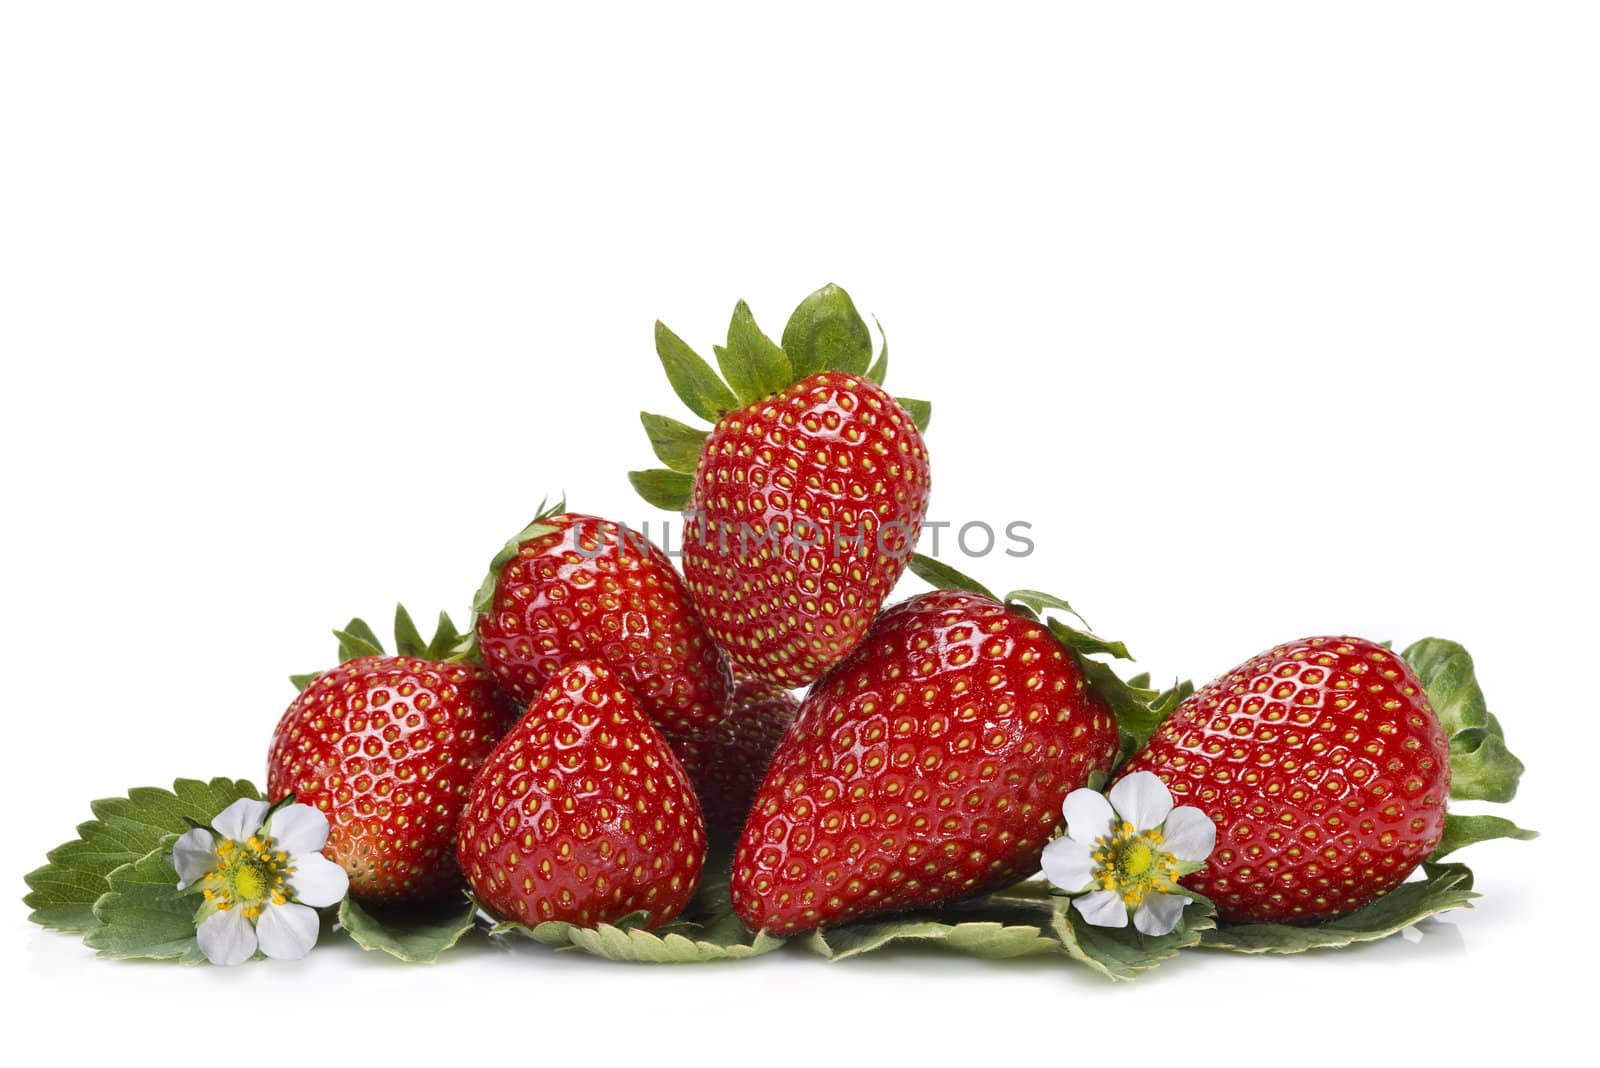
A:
707	931
667	490
1461	831
1122	953
142	914
62	894
826	333
1481	767
1445	887
675	444
417	936
692	379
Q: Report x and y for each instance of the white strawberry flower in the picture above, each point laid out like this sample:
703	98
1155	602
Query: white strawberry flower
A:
263	876
1123	857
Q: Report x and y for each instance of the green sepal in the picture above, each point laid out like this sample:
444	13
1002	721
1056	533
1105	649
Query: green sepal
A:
675	444
920	411
692	379
826	333
942	576
753	364
880	367
142	914
483	600
1085	644
1040	603
1462	830
407	639
63	893
353	642
1444	887
300	682
668	490
417	936
1123	953
1481	767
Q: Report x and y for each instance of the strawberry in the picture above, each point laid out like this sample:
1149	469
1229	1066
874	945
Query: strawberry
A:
582	813
804	500
1325	769
930	765
727	765
386	747
573	588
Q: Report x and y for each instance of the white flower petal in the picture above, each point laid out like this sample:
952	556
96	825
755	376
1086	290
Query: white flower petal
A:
193	856
1088	815
1103	908
227	938
287	931
299	829
1142	800
1189	834
317	881
1068	864
1159	913
241	819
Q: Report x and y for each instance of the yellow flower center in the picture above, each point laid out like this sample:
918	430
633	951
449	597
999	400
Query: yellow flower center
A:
249	875
1133	864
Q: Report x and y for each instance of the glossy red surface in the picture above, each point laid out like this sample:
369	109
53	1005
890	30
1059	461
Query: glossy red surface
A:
782	549
582	813
387	747
589	593
727	765
929	766
1325	770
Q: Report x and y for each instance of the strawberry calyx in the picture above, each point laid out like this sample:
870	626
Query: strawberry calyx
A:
357	639
537	527
825	333
1138	708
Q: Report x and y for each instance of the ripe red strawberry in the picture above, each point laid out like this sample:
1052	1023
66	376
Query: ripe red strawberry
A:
386	747
727	765
929	766
1326	772
805	499
582	813
574	588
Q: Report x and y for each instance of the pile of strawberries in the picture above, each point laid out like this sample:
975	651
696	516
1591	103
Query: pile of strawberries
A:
608	720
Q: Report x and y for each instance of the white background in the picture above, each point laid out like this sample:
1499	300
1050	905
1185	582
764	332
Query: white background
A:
1273	319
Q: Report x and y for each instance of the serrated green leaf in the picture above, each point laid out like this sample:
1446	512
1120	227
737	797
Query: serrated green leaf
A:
942	576
407	639
827	333
880	367
125	829
1445	887
986	939
1462	830
1122	953
692	379
417	936
707	931
143	915
675	444
920	411
1481	767
668	490
753	364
